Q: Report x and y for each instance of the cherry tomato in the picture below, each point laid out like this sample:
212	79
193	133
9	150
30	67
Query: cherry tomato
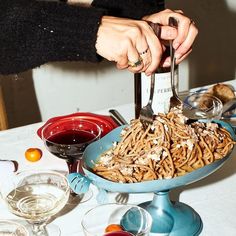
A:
113	228
33	154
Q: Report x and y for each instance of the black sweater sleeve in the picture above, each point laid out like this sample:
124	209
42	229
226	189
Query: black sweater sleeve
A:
135	9
36	32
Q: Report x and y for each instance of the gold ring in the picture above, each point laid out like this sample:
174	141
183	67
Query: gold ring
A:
135	64
141	53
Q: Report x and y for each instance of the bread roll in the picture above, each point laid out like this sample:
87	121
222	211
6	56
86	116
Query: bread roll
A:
224	92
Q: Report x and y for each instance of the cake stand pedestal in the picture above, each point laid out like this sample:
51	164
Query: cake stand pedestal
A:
172	218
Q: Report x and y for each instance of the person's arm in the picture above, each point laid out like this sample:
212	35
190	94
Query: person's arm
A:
134	9
37	32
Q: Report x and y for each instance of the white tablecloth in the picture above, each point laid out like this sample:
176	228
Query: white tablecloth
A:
214	197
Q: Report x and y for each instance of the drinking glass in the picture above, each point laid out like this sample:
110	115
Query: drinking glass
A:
134	220
67	139
203	105
199	105
36	196
11	228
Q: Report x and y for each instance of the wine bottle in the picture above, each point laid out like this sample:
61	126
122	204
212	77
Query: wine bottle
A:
162	91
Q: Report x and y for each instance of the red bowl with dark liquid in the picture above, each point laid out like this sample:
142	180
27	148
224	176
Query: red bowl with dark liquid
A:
67	136
106	123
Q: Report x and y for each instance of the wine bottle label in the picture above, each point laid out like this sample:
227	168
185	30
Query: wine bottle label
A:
162	91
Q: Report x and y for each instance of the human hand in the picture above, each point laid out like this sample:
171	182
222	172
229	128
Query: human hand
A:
128	42
186	33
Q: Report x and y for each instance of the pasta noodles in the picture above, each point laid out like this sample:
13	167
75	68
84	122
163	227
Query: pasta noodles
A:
168	148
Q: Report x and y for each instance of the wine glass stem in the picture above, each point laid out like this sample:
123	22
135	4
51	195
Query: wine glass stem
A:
39	229
75	166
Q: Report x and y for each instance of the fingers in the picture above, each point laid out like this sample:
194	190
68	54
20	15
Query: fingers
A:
135	62
142	47
132	44
166	61
144	53
179	11
186	32
184	35
155	53
185	29
178	60
146	57
168	33
186	45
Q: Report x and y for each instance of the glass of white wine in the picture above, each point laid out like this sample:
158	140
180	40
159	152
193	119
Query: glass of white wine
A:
12	228
36	196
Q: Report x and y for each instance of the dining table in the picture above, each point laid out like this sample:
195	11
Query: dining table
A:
213	198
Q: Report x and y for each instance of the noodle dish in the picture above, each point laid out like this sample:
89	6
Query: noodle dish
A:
169	148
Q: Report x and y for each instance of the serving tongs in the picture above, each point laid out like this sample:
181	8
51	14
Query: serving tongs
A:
146	112
175	101
117	117
193	114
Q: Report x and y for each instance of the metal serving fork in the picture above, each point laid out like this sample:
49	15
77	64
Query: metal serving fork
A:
174	99
146	113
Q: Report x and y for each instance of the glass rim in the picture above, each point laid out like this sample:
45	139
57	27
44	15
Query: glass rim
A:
38	171
12	222
186	94
129	205
99	129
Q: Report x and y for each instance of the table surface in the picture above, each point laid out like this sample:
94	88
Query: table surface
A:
213	197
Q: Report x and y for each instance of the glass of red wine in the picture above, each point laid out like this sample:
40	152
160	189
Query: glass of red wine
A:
67	139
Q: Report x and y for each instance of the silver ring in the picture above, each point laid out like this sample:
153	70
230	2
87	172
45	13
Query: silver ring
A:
135	64
144	52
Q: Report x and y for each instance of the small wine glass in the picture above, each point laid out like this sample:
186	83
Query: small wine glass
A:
36	196
199	105
203	105
67	139
12	228
129	220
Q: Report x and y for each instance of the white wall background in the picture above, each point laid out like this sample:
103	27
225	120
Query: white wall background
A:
67	87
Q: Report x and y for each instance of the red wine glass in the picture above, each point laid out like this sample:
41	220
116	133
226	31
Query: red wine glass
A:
68	137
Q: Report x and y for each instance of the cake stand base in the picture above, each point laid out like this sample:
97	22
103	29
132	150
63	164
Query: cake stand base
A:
172	218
